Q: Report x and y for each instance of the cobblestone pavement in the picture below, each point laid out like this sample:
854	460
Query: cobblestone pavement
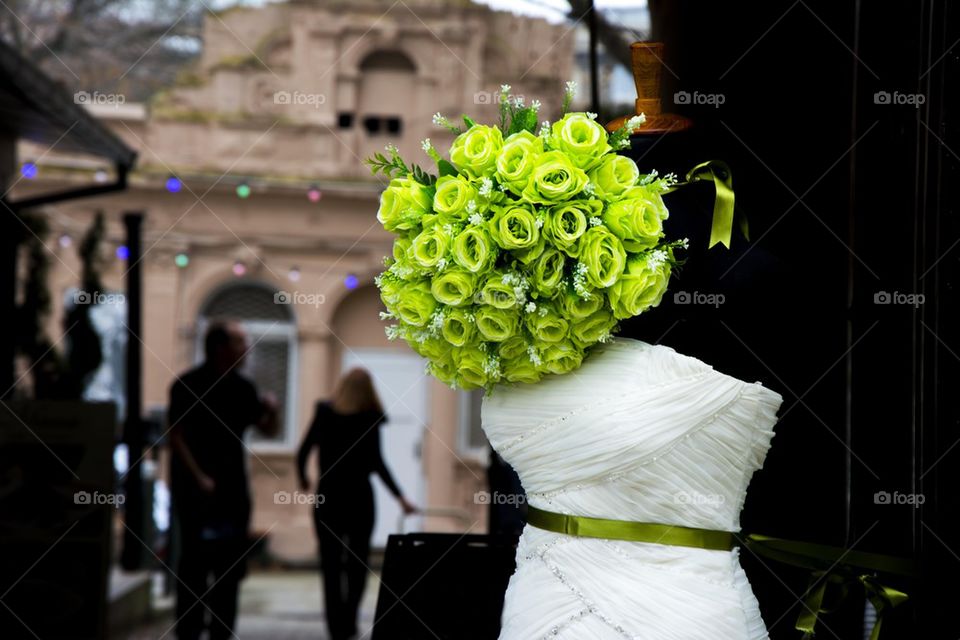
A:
274	606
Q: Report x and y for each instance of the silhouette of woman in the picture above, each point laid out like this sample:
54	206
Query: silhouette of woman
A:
346	430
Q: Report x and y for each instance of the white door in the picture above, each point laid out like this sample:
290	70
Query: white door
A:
401	383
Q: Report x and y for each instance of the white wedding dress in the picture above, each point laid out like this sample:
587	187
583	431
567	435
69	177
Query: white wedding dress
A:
645	434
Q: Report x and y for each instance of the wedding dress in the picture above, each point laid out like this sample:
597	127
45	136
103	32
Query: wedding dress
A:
644	434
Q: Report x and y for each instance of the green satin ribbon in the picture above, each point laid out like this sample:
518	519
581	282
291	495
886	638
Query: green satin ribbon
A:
717	171
828	565
585	527
834	565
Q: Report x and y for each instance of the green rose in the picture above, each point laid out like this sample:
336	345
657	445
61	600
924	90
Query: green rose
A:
577	307
458	328
653	196
454	286
497	293
580	137
592	329
474	249
514	226
402	204
561	357
517	160
475	151
452	195
433	348
546	324
636	220
512	348
641	287
555	179
390	287
603	256
472	367
429	247
401	265
527	256
548	272
415	303
496	324
565	223
521	370
614	175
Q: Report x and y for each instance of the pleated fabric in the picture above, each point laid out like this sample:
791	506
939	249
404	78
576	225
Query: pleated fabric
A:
641	433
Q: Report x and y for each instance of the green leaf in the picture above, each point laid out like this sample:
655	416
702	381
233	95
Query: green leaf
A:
468	121
447	169
524	119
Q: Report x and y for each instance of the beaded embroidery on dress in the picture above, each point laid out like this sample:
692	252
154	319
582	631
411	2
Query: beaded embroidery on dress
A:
640	433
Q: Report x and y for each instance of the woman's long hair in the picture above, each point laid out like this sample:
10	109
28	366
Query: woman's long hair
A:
355	394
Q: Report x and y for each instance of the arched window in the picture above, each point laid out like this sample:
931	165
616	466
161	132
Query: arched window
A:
386	88
272	360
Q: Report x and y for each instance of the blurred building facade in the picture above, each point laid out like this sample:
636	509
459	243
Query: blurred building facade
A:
270	218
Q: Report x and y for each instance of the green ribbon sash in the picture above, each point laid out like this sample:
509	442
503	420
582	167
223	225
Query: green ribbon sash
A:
584	527
828	565
717	172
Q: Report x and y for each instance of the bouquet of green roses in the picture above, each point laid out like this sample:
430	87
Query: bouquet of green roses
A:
527	249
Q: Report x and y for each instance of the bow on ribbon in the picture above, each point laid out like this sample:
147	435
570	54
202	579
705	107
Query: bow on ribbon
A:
719	173
833	565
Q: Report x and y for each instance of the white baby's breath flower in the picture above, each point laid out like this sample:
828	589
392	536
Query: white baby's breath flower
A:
589	189
518	101
656	258
534	356
476	219
505	88
595	221
386	315
591	115
391	148
471	206
636	121
441	264
531	307
486	187
426	146
535	105
539	222
544	130
378	280
438	119
392	331
685	243
571	86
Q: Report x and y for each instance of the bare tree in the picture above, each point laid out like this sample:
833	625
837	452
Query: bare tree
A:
130	47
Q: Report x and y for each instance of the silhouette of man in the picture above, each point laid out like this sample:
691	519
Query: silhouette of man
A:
211	406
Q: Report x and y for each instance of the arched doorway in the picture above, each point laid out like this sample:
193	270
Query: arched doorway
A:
272	360
403	386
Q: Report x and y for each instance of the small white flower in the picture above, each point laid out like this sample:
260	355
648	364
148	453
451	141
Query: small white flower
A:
486	187
595	221
476	218
685	243
539	222
535	105
441	264
378	280
471	206
438	119
571	87
392	331
391	148
656	258
534	356
589	189
426	146
505	88
531	307
518	101
591	115
543	312
635	122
